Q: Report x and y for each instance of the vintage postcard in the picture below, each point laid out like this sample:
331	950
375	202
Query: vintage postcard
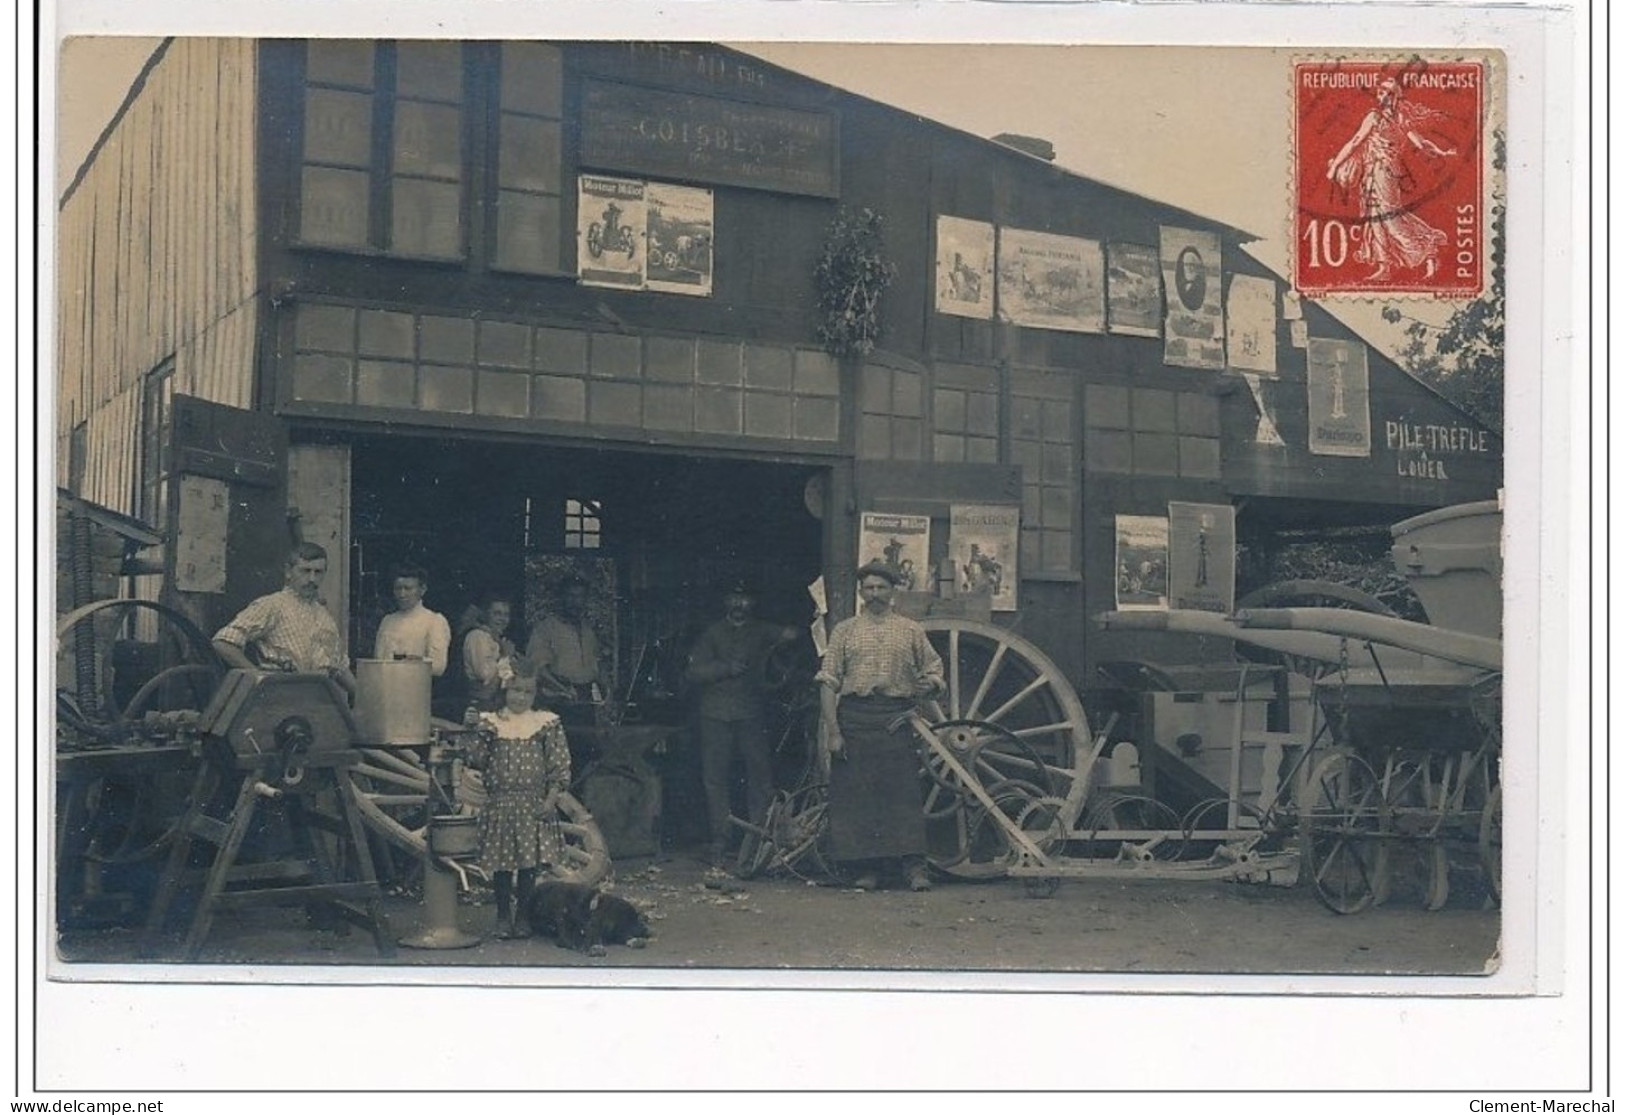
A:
447	428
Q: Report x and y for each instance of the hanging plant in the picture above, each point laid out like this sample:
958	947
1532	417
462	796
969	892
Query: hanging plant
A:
852	274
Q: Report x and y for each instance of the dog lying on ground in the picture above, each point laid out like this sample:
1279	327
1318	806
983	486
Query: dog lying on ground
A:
585	919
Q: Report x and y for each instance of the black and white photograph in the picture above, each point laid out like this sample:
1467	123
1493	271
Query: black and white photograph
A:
446	430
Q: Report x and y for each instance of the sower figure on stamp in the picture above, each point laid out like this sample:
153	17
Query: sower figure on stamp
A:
1373	162
877	666
729	665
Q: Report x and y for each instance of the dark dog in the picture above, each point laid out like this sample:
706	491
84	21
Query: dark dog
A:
582	918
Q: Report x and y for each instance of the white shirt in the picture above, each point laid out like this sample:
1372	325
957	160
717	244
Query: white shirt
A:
418	633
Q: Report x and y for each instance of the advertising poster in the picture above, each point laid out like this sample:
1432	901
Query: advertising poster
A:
1194	331
1250	324
1051	282
610	226
682	229
1142	562
1202	556
1339	399
1134	290
900	542
964	268
982	544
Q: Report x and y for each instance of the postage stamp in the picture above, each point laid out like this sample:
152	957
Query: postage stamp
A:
1388	177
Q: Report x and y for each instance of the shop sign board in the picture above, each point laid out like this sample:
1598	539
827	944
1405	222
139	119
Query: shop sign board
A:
982	542
900	542
1339	398
1142	562
1429	450
1202	556
1047	281
1192	276
666	134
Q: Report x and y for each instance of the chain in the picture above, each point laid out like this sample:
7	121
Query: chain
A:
1340	724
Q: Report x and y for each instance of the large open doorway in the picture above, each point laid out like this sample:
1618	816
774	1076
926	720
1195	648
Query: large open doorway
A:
669	531
677	528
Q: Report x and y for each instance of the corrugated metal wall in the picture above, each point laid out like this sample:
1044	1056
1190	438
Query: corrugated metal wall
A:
157	256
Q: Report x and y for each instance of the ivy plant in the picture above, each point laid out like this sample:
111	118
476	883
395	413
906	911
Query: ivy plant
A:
852	274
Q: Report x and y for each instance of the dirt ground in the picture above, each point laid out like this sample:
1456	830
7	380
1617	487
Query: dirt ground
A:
703	919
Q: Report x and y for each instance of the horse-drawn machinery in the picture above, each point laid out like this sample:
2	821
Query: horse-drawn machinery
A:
1344	747
1390	756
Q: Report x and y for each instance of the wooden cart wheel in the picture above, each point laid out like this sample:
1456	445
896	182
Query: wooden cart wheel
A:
1343	843
392	791
997	677
998	685
1489	843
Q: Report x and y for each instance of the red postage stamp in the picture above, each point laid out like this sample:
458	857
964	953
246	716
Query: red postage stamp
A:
1388	177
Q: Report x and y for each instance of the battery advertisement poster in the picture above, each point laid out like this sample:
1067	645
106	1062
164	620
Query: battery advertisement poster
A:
982	543
1202	557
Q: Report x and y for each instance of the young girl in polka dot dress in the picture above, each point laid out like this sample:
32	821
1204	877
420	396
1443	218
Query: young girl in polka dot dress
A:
525	764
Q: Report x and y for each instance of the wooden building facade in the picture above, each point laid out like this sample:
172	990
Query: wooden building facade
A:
402	256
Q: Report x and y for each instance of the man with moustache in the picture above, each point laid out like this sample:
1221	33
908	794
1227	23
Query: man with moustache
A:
878	666
728	664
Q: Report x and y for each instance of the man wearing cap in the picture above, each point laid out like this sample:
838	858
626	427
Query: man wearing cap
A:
564	648
728	664
877	666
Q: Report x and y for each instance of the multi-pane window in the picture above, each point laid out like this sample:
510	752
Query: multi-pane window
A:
426	151
965	414
335	189
529	173
1042	442
383	166
582	528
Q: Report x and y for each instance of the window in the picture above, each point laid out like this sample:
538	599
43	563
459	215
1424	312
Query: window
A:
1042	443
78	447
582	530
382	167
529	167
157	409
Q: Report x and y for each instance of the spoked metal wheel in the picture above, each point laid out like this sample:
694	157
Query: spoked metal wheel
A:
1205	825
1133	827
187	668
1344	845
790	837
963	839
989	848
1413	798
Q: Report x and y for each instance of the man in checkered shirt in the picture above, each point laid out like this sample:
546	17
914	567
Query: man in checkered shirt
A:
289	630
877	666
